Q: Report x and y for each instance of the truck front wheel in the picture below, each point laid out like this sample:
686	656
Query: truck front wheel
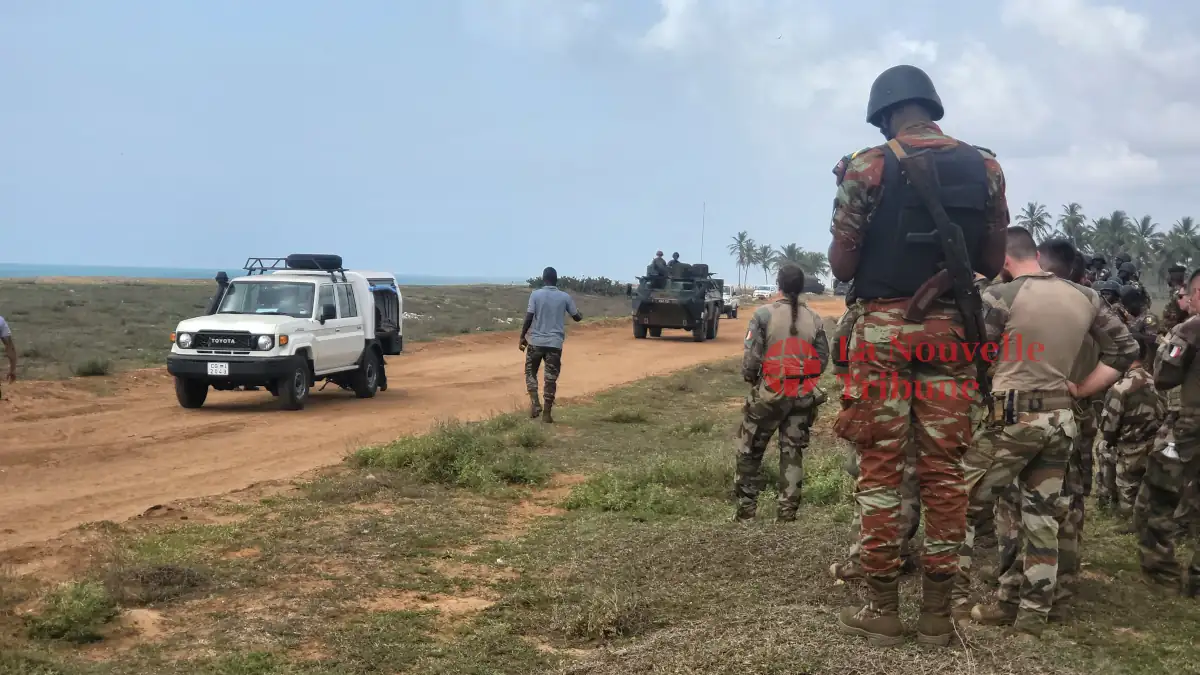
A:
293	387
639	331
191	393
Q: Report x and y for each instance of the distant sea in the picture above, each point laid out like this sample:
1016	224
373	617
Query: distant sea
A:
16	270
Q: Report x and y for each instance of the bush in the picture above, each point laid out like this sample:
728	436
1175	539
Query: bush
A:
93	368
586	285
73	612
466	455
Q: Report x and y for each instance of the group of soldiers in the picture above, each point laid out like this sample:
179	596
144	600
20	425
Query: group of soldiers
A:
1090	382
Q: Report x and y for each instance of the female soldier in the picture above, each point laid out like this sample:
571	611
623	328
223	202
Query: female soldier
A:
785	352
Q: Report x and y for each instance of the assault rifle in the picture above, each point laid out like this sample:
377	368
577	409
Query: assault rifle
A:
956	275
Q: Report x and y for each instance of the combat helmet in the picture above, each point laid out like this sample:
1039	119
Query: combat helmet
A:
1122	258
1127	268
1098	261
900	84
1108	286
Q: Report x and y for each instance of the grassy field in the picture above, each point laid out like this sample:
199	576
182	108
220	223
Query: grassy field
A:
80	328
601	544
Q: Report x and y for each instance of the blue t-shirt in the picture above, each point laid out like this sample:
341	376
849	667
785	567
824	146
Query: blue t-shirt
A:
550	308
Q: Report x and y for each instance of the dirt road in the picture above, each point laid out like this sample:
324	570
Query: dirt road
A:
69	456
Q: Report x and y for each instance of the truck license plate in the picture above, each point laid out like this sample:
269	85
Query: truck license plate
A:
218	369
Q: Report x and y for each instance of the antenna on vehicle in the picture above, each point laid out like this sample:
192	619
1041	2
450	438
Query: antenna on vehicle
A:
703	217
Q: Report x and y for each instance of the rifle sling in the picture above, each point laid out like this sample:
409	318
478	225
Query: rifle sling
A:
964	289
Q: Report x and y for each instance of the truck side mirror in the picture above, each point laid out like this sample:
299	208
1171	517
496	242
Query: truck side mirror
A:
328	312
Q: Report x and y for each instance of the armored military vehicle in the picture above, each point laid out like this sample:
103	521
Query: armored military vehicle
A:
687	299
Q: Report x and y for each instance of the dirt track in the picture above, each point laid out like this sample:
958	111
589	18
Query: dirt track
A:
70	456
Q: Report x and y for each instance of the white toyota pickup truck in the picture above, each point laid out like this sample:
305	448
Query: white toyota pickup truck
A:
289	323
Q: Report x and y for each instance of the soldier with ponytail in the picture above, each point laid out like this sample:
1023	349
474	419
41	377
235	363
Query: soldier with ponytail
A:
786	351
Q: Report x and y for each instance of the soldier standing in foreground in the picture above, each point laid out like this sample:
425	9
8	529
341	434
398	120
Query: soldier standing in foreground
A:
785	352
544	322
1174	463
890	248
1141	321
1060	258
1033	439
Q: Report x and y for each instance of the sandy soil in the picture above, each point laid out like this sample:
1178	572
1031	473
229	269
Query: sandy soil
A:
75	452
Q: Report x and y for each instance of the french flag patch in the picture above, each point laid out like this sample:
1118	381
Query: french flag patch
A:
1176	350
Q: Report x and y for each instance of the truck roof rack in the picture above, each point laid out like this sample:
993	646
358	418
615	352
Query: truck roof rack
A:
297	262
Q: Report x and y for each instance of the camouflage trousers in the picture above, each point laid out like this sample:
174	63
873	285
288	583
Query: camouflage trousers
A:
1070	536
534	356
910	511
899	399
761	418
1132	459
1107	493
1167	502
1033	453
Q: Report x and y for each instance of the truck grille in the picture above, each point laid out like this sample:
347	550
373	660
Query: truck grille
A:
223	341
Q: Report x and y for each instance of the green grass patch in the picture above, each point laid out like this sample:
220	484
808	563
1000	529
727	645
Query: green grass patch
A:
470	455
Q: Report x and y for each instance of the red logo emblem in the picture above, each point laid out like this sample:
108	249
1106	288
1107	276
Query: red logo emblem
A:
786	362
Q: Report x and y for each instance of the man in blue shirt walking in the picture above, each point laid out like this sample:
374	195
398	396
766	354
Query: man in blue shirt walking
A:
545	321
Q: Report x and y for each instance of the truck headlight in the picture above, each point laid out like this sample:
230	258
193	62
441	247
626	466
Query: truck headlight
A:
265	342
184	340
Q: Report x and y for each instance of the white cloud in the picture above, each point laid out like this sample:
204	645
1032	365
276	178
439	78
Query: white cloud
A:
1077	97
1077	24
552	24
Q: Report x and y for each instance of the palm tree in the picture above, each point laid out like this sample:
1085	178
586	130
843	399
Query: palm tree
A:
1145	242
740	249
1073	226
1111	234
1036	219
1182	243
814	263
790	253
765	256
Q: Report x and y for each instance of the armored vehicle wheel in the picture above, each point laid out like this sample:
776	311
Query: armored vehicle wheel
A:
190	393
639	331
655	331
711	330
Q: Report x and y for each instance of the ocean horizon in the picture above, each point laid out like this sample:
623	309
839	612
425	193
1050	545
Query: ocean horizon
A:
27	271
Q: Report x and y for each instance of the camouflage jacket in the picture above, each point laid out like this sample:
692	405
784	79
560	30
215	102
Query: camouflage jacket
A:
757	348
1122	314
1117	348
861	177
1133	409
1146	323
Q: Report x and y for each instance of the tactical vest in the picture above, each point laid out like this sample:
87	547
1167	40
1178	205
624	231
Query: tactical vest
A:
901	250
778	371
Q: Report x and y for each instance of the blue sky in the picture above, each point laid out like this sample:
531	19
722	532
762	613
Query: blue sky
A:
494	137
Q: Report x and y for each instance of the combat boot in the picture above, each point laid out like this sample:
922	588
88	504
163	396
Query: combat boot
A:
995	613
535	406
1029	623
934	626
879	619
785	514
546	416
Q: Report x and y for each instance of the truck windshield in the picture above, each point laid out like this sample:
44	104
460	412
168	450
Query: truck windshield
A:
681	286
288	298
